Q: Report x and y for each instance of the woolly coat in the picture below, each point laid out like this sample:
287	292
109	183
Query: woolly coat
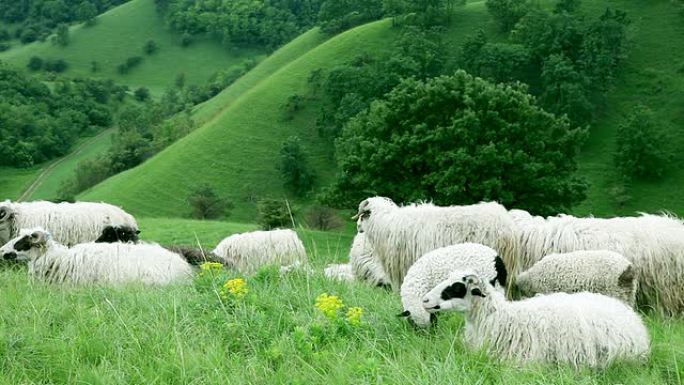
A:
401	235
69	223
436	266
653	243
365	267
247	252
103	263
340	272
597	271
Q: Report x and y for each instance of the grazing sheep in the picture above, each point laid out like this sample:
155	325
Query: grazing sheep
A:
653	243
194	255
69	223
400	235
435	266
364	265
247	252
581	329
112	234
95	263
340	272
597	271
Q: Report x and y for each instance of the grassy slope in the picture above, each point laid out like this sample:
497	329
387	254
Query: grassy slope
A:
14	181
120	33
654	76
251	129
51	182
275	335
237	151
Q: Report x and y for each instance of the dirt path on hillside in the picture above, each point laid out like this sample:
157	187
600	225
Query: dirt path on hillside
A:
43	174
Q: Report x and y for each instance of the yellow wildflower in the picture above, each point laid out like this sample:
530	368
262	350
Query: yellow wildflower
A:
236	287
329	305
211	267
354	316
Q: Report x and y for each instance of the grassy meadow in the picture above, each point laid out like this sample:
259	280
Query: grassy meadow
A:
185	333
121	33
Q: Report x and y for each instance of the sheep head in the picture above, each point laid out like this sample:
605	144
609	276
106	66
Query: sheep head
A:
29	244
455	293
7	222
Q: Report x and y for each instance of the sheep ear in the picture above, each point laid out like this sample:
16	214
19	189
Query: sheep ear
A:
38	238
137	231
476	291
405	313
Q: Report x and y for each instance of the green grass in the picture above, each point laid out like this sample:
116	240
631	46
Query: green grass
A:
48	186
121	33
182	335
14	181
237	152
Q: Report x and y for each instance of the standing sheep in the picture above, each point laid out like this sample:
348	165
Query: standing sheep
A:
576	329
597	271
436	266
69	223
247	252
653	243
400	235
95	263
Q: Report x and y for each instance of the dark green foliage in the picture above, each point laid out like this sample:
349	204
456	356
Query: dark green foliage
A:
129	64
38	124
497	62
458	140
565	90
141	94
294	103
150	47
186	39
35	63
339	15
88	173
323	218
207	204
4	34
507	12
642	148
37	19
294	167
4	46
61	37
351	87
273	213
180	80
55	65
94	66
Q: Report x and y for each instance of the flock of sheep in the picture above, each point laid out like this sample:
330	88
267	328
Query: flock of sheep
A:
582	276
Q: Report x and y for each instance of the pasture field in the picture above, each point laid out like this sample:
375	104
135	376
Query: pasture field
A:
120	33
185	334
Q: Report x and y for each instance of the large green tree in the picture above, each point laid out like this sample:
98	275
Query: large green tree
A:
458	140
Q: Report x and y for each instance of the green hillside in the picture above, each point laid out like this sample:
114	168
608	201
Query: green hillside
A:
121	33
14	181
237	151
653	75
48	183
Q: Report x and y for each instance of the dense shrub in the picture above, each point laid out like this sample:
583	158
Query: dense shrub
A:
206	203
294	167
643	150
273	214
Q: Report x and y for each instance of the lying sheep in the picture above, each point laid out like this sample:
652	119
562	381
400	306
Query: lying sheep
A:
435	266
653	243
340	272
117	233
247	252
576	329
597	271
69	223
90	263
401	235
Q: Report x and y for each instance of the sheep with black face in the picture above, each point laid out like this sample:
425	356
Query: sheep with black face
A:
580	329
90	263
435	266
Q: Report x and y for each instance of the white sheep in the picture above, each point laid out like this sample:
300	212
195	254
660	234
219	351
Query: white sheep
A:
400	235
653	243
436	266
340	272
69	223
597	271
580	329
95	263
247	252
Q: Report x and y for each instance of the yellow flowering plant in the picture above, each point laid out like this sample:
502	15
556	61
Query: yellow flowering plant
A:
354	315
234	288
329	305
212	268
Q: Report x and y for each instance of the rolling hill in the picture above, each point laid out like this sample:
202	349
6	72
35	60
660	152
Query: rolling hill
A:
120	33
